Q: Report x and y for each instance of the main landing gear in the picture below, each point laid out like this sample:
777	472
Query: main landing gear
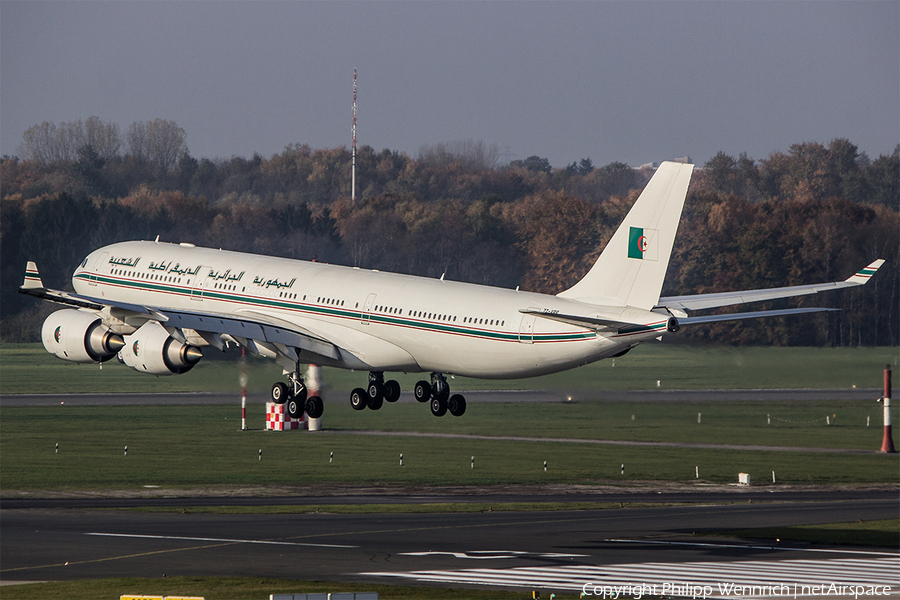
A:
294	395
438	392
376	393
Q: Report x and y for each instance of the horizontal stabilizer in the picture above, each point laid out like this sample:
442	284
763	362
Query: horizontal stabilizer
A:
594	323
639	322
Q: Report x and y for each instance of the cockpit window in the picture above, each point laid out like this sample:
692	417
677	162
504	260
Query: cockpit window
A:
84	262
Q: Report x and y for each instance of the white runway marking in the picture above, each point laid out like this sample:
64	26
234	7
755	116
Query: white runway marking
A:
495	554
756	547
223	540
721	579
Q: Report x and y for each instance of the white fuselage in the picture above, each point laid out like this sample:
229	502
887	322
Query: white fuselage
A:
379	321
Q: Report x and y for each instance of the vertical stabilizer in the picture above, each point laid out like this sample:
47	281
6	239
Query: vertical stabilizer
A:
631	269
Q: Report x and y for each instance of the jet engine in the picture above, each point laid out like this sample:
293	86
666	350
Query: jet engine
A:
152	350
79	336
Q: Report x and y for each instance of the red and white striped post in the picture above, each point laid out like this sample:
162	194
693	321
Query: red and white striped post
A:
243	408
243	390
313	384
887	444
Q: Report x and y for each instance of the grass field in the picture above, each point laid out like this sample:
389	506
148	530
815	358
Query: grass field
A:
167	443
28	368
202	446
870	533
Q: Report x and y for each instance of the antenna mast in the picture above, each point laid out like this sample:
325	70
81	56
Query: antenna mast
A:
353	184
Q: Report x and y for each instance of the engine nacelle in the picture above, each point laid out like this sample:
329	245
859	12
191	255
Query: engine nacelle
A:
152	350
672	325
79	336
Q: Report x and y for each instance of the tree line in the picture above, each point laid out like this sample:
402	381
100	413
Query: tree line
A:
815	213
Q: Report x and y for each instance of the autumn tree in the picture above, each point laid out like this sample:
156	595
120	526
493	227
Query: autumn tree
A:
158	142
470	154
103	138
48	143
532	163
557	236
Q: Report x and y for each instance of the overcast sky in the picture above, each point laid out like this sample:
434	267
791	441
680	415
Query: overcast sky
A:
613	81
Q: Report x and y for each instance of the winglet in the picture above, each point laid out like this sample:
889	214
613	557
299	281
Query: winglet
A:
32	277
863	275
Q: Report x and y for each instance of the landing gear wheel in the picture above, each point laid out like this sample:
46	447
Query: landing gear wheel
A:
314	407
422	391
376	392
391	391
438	407
280	393
457	405
358	399
375	403
294	408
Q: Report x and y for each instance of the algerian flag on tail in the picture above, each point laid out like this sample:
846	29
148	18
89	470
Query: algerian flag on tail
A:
631	269
637	243
641	243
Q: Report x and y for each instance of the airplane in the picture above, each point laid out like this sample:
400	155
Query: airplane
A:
157	305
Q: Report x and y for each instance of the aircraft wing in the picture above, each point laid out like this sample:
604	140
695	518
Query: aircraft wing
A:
263	333
680	306
752	315
33	286
257	331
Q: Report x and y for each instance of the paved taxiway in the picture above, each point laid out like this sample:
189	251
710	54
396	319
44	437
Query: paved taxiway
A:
339	396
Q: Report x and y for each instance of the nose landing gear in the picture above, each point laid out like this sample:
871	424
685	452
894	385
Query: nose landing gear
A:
294	395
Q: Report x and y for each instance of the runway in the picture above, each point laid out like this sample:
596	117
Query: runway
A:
551	550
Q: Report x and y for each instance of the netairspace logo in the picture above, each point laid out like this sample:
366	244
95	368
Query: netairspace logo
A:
736	590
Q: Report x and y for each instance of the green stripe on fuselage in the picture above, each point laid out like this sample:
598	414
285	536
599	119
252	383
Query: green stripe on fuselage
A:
336	312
